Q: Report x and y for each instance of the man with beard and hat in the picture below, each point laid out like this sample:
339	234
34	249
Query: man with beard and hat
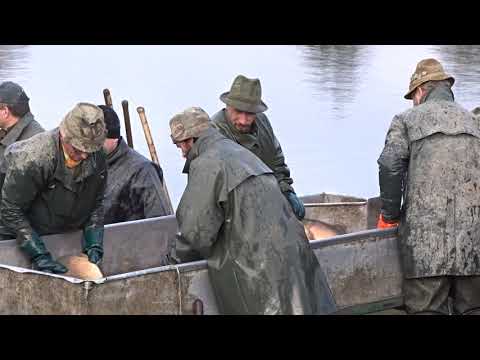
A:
429	175
16	120
243	121
55	183
134	188
232	213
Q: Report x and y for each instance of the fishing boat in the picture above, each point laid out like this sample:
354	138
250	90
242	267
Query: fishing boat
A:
361	265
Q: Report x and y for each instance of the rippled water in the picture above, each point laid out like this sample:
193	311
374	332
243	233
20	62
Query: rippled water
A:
330	106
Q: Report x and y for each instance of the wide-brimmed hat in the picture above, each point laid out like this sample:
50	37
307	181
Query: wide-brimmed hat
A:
190	123
427	70
84	127
245	95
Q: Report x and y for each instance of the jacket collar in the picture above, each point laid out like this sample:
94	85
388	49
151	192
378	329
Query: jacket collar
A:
441	92
206	138
120	150
14	133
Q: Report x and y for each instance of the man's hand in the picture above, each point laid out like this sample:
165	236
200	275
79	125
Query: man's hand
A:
32	244
95	256
47	264
93	244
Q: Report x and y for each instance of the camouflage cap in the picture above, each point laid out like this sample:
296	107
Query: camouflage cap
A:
84	127
427	70
245	95
11	93
189	124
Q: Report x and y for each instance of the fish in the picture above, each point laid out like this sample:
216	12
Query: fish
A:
79	267
316	229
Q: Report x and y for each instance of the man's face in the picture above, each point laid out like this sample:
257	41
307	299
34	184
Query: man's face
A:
186	146
109	145
4	113
242	120
418	96
74	153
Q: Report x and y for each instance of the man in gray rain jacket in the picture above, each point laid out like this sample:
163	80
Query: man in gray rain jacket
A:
233	214
431	160
134	188
16	120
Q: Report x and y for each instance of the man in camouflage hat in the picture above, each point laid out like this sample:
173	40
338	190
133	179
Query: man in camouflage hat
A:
134	188
55	183
16	120
244	122
232	214
429	174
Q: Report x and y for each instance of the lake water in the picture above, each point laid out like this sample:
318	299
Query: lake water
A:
330	106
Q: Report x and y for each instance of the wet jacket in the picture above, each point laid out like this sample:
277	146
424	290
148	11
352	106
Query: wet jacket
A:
432	159
233	214
25	128
41	193
134	188
262	142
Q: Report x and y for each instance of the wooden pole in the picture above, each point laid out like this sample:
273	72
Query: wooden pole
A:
128	128
107	97
151	148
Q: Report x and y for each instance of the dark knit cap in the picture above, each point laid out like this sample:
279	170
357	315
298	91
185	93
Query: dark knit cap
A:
11	94
112	122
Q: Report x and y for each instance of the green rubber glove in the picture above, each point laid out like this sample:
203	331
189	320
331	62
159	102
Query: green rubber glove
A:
296	203
35	248
93	244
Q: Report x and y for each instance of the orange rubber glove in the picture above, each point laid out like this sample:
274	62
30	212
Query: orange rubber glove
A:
384	224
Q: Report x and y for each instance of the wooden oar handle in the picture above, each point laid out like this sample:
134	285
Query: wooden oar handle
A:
128	128
107	97
151	148
148	135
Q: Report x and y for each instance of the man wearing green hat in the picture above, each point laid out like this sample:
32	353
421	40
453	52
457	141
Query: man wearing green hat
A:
55	183
429	175
244	122
16	120
233	215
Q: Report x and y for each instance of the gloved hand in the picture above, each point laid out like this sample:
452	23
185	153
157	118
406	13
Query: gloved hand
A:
296	203
93	244
386	224
35	248
94	255
47	264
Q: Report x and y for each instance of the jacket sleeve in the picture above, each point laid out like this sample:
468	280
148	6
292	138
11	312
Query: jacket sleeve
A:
200	216
393	166
23	181
96	219
147	187
280	169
